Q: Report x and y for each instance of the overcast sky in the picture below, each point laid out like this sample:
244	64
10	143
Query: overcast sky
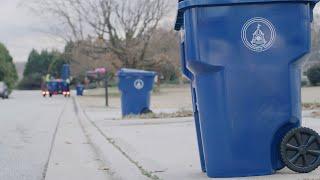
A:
21	31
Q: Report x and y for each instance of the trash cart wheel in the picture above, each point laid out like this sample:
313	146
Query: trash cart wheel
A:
146	111
300	150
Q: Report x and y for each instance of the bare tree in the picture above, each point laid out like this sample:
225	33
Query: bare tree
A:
63	20
84	57
123	27
165	50
313	57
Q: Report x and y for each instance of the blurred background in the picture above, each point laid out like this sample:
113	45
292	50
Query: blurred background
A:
39	36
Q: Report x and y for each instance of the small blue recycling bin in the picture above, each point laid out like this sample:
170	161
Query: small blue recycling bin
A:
189	75
245	57
135	86
80	89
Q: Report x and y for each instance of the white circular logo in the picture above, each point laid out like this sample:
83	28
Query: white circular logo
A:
258	34
138	84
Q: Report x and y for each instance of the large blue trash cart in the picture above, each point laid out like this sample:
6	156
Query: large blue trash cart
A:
246	56
135	86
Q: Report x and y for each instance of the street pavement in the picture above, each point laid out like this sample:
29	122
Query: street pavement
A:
27	126
78	138
40	138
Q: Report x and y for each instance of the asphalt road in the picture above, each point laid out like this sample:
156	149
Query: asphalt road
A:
28	124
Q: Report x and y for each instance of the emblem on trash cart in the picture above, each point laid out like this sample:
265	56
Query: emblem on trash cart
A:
258	34
138	84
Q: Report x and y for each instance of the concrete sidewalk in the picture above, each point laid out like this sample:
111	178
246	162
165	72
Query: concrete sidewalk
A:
165	148
72	157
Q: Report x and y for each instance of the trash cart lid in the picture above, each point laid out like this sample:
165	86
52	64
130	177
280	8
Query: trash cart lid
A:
135	72
185	4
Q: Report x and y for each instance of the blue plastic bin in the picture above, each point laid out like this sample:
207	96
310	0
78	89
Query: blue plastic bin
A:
245	56
135	86
189	75
65	72
80	89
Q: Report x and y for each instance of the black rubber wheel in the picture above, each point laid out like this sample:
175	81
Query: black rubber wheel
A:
300	150
146	111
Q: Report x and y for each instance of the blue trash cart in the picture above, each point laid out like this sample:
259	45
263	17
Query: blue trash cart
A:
245	57
80	89
135	86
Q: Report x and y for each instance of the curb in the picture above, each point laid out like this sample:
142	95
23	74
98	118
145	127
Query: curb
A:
121	166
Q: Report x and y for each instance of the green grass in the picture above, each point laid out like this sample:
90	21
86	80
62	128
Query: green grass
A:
100	92
114	91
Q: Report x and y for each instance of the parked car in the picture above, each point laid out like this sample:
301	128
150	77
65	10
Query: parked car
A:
4	91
